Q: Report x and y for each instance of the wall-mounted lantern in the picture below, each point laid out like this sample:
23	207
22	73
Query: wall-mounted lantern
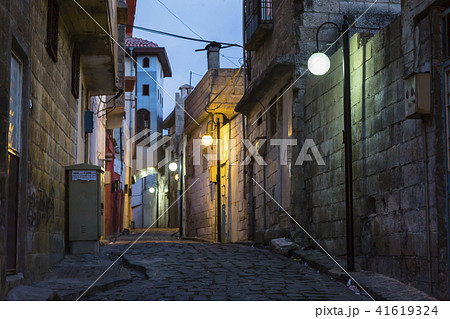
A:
207	138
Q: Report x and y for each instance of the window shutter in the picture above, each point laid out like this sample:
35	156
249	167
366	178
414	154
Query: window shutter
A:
76	73
52	29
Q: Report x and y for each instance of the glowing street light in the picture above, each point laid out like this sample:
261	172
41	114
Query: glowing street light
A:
152	190
318	63
177	177
207	140
173	167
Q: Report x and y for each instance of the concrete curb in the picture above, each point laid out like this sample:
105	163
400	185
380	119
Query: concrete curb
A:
380	287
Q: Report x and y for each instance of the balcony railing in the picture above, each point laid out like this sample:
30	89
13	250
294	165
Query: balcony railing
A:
258	22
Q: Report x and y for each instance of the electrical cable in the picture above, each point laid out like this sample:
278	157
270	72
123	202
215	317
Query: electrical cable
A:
197	74
170	11
187	38
183	37
109	109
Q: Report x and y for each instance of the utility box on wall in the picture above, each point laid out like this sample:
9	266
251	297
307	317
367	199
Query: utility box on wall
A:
417	95
85	208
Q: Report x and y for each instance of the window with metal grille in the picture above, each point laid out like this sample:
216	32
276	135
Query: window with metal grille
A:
146	90
52	29
256	13
75	73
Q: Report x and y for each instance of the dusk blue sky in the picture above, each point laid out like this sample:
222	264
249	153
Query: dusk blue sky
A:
219	20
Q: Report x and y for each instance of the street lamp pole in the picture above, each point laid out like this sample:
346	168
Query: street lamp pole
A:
219	195
319	64
348	149
157	202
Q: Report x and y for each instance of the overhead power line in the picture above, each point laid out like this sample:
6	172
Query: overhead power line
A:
170	11
179	19
183	37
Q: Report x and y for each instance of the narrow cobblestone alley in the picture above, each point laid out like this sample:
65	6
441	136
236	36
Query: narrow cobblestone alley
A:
166	268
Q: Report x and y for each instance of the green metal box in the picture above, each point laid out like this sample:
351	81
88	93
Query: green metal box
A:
85	202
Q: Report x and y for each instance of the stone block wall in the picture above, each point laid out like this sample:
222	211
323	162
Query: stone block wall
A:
237	217
293	39
270	182
390	157
201	197
313	14
52	144
220	95
201	193
279	41
296	22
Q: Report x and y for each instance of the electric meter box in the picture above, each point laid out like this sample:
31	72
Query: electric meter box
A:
85	207
417	95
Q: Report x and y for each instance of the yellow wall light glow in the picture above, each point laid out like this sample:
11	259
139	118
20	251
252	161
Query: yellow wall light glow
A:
207	140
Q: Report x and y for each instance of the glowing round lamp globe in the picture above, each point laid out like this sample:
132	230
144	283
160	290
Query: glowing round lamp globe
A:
173	167
207	140
152	190
318	63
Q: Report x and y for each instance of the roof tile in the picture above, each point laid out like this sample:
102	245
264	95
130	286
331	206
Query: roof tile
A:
139	43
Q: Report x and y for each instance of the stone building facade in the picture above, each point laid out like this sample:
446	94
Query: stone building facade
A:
49	69
212	102
399	158
174	124
279	36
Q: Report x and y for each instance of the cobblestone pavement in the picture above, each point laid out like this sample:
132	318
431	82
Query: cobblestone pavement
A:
166	268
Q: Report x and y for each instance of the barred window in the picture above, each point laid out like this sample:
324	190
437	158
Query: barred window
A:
52	29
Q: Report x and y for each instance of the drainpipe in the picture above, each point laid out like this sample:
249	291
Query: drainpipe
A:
157	202
142	202
180	205
348	149
265	196
243	49
427	208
